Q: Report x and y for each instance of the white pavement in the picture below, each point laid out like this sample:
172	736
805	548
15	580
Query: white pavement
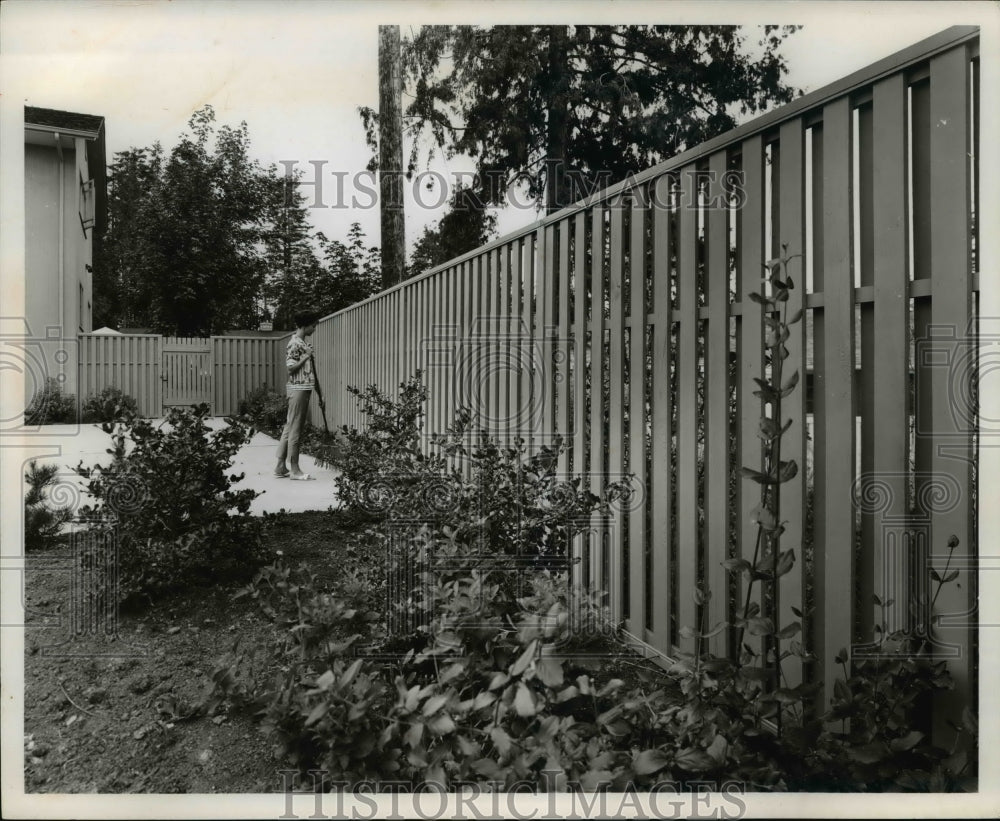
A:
71	444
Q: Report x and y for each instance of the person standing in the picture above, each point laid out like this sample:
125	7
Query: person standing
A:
301	383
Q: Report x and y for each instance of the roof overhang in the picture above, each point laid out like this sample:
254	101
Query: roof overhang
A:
45	134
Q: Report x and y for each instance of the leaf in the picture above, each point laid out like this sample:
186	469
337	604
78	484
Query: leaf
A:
789	630
351	672
762	516
907	742
413	735
718	749
766	429
487	767
950	577
441	724
786	561
524	659
790	383
433	704
498	680
595	780
787	470
694	760
524	701
550	671
756	475
500	740
649	762
869	753
794	317
766	389
842	656
737	565
483	699
760	626
325	681
317	713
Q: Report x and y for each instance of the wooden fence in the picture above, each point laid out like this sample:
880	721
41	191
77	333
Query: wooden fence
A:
623	324
161	372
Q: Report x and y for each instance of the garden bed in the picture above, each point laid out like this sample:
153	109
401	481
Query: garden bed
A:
109	716
95	722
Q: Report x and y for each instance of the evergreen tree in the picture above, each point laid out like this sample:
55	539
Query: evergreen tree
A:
567	110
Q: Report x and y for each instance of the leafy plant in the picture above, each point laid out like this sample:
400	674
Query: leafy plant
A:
42	520
383	465
111	404
51	406
167	497
880	709
265	409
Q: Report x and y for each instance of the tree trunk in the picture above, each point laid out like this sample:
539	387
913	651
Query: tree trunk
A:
390	160
557	120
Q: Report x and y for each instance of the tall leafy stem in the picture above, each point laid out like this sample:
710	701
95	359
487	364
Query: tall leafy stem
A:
772	388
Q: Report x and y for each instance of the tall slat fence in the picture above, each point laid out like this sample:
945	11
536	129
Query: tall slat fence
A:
623	325
158	371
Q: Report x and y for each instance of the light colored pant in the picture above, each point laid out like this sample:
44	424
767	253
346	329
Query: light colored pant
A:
298	410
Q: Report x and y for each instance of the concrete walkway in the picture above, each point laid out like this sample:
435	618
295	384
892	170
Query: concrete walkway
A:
72	444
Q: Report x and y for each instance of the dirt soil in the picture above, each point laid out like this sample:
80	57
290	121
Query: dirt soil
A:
105	715
109	714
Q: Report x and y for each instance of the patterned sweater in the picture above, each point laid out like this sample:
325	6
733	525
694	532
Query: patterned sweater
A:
302	379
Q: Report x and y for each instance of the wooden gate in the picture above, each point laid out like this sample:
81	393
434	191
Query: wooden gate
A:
186	371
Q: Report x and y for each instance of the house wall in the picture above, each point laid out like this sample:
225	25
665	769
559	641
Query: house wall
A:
58	286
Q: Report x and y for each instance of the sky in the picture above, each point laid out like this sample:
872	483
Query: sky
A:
297	72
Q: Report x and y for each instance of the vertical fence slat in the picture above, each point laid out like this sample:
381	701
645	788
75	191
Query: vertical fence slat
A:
717	397
891	306
953	368
637	419
687	420
792	233
751	252
597	439
561	354
659	491
835	540
580	376
616	400
501	361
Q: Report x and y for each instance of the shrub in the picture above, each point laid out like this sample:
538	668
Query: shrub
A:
383	465
50	406
265	408
111	404
42	521
168	498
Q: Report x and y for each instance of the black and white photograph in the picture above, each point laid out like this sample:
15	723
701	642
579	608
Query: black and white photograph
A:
499	410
